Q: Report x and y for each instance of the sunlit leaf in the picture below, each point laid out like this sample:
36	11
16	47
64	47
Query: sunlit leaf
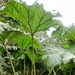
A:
23	41
33	18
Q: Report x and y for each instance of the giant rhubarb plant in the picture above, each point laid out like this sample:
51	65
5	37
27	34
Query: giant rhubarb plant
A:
31	18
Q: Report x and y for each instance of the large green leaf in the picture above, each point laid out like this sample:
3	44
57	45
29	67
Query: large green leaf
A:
31	56
24	41
33	18
8	35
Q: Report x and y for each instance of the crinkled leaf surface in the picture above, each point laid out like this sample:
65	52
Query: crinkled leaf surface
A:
55	55
33	18
23	41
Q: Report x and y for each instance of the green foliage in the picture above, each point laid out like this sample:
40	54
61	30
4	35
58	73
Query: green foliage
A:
33	18
51	58
65	35
71	49
23	41
58	32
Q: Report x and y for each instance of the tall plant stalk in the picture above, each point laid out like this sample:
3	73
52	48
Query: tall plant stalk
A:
70	72
32	70
24	66
49	72
33	63
54	71
8	54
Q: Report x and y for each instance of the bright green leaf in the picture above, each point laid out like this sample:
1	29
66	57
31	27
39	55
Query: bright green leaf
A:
23	41
33	18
